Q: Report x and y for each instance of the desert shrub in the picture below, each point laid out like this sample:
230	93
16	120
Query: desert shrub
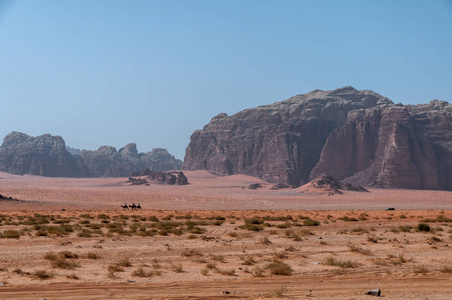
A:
218	258
354	248
68	254
284	225
141	272
348	219
190	252
311	222
50	256
92	255
178	268
280	255
254	220
73	276
397	260
204	272
277	293
446	269
258	272
96	226
424	227
125	262
115	268
42	274
249	261
86	216
19	271
226	272
405	228
10	234
359	230
331	261
63	263
278	267
421	270
265	241
440	218
211	265
63	229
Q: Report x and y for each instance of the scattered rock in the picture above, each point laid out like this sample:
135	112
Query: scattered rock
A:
375	292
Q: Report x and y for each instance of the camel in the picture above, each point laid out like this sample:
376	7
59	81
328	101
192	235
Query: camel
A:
138	206
133	206
125	206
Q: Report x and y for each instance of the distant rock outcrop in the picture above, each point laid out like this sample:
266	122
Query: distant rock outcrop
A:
106	161
43	155
177	178
359	137
47	155
327	183
171	178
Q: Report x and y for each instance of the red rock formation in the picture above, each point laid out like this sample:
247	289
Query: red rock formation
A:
359	136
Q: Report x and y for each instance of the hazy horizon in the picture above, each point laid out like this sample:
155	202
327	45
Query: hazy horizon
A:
152	72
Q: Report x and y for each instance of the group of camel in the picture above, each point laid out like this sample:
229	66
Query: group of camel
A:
133	206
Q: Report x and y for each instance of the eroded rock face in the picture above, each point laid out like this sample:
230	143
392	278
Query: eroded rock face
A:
43	155
359	137
47	155
395	146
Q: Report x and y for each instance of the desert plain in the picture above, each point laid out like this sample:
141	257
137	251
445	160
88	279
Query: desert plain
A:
215	238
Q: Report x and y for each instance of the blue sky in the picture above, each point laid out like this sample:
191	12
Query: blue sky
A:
110	72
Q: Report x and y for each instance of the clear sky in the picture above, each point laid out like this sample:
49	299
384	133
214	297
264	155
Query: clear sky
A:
109	72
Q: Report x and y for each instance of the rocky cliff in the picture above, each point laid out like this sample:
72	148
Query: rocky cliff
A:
358	137
47	155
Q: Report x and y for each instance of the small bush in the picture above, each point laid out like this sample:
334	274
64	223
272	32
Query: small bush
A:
311	222
92	255
10	234
424	227
178	268
249	261
230	272
446	269
73	276
421	270
42	274
331	261
278	267
125	262
354	248
141	272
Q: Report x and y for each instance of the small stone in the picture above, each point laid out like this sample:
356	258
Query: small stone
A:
375	292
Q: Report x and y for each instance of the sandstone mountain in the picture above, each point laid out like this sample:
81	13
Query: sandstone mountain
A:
358	137
48	155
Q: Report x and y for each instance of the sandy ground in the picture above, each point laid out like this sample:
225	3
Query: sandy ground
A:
369	246
205	192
